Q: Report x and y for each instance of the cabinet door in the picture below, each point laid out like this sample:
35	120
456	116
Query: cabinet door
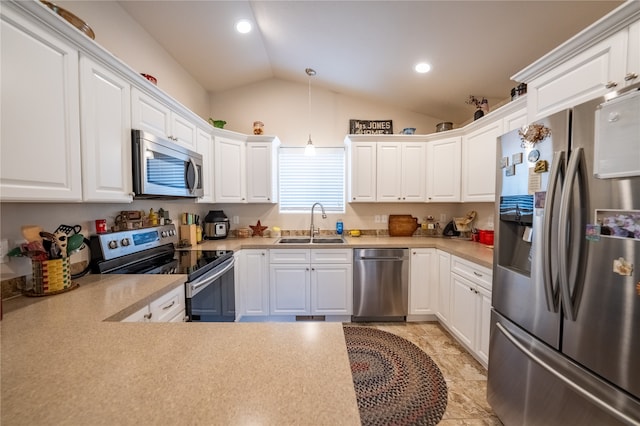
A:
632	74
463	310
443	170
105	98
421	279
260	188
331	289
289	289
514	120
229	170
581	78
149	115
414	175
483	323
444	287
183	132
255	282
204	146
479	163
39	107
362	174
389	171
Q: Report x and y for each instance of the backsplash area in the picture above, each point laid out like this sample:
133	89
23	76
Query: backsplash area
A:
368	217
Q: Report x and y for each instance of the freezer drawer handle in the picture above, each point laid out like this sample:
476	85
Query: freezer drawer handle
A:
592	398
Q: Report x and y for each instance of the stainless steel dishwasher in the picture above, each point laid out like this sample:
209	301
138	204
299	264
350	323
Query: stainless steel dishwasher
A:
380	284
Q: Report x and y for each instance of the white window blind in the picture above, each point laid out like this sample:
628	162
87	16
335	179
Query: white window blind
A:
305	180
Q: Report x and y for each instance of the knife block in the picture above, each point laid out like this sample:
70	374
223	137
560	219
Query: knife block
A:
188	234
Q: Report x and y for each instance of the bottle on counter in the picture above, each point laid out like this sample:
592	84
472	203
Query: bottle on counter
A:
153	218
339	227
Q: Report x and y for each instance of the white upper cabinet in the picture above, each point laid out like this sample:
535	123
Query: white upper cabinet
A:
230	174
632	74
515	120
401	172
262	171
443	170
155	117
204	146
588	75
479	162
246	169
362	171
105	99
40	115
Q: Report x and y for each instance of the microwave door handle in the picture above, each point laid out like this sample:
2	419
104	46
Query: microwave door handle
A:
192	165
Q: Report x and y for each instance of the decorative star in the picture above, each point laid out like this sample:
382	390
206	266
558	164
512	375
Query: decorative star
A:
258	229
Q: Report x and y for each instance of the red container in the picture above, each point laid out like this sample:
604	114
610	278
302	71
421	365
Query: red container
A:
486	237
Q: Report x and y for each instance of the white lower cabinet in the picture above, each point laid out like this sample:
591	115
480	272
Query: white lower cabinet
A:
311	282
253	283
170	307
422	281
471	306
443	305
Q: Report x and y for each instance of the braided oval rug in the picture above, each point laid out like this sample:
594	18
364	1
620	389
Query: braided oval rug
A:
396	383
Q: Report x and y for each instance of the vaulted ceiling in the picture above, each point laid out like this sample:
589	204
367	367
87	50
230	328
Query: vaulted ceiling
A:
368	49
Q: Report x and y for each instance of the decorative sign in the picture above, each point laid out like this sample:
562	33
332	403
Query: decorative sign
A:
371	127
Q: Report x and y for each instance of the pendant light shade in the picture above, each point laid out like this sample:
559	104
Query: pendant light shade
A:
310	149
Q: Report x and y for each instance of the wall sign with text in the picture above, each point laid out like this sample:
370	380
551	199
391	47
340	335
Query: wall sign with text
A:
371	127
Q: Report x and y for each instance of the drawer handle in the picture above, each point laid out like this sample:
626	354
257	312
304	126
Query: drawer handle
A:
630	76
148	316
170	305
477	274
611	85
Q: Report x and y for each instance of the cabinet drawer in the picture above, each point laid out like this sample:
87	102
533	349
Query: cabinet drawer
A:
167	306
332	256
142	315
472	271
290	256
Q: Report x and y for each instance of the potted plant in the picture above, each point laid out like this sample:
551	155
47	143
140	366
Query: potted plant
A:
482	106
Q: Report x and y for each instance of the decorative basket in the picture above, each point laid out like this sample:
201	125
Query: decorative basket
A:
51	276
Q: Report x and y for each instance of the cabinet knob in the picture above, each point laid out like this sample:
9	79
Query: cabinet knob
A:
611	85
630	76
148	316
470	289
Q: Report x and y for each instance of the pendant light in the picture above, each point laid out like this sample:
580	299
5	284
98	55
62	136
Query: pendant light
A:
310	149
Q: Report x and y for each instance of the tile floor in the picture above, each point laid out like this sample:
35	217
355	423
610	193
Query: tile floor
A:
466	378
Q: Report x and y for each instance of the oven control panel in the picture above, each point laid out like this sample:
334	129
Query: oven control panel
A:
121	243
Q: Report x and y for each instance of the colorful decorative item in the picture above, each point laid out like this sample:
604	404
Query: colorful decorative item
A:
533	134
258	229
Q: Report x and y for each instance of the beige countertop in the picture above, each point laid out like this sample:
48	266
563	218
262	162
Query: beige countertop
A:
474	252
63	364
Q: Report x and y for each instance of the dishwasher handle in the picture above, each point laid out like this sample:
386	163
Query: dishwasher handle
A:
381	258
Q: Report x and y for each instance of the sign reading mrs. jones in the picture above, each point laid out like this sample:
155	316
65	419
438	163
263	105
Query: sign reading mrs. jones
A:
371	127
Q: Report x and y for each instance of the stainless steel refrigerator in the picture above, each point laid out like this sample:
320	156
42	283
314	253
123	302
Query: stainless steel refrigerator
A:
565	336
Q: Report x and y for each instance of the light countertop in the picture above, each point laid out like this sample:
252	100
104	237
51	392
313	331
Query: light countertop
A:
474	252
63	364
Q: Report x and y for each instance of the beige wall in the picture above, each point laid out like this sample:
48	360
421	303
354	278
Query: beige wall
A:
284	109
117	32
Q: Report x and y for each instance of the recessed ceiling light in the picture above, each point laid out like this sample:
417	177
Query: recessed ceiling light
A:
243	26
423	67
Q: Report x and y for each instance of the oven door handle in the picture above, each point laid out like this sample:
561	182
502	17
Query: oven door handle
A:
195	287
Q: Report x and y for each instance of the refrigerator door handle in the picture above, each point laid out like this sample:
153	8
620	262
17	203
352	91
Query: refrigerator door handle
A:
555	182
575	169
624	418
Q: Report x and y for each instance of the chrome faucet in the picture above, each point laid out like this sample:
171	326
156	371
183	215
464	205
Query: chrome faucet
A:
313	231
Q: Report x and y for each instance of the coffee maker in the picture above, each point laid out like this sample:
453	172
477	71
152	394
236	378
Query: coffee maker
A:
216	225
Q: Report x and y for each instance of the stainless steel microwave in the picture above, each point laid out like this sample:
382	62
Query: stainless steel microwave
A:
164	169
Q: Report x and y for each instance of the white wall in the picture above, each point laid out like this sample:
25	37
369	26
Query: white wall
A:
117	32
284	109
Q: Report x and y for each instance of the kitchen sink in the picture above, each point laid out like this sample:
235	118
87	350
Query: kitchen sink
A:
318	240
328	240
294	240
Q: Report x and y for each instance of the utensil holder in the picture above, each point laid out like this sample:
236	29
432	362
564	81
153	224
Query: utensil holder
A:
51	276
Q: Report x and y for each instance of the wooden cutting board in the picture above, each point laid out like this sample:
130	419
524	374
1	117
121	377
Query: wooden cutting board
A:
402	225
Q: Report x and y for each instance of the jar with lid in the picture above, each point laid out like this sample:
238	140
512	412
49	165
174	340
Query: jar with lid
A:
258	127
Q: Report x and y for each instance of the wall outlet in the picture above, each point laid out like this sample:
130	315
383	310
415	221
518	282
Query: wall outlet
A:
377	218
4	249
236	220
384	218
443	217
